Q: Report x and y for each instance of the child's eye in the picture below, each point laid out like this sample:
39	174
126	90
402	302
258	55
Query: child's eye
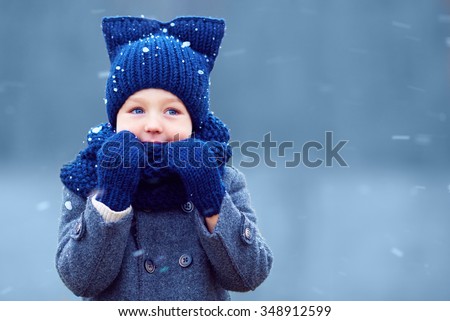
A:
172	112
137	110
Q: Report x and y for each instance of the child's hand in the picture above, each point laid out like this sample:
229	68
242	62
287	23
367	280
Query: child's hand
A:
197	166
119	162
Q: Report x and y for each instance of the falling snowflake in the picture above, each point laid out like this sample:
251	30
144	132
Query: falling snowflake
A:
185	44
164	269
138	253
200	72
68	205
401	25
6	290
401	137
145	49
42	206
447	41
96	130
397	252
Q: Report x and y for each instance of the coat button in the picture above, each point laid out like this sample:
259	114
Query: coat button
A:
185	260
247	233
78	228
149	266
187	207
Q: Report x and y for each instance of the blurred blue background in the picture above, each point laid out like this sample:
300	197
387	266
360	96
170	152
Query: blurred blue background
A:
375	73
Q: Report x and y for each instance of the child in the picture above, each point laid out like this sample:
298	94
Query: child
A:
150	209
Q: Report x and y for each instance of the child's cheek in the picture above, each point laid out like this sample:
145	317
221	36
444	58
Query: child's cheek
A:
184	135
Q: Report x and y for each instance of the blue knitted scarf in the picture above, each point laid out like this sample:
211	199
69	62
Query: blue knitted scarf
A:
159	188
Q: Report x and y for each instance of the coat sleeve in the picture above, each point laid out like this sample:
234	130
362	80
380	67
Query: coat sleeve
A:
237	251
90	250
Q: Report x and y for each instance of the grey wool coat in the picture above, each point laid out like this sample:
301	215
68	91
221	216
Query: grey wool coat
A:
167	255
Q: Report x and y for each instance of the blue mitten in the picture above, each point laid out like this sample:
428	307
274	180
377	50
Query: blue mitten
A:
119	163
197	165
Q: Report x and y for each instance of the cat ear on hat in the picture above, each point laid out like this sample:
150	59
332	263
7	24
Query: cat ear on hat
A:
203	34
119	31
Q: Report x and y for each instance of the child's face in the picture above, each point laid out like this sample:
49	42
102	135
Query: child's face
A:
155	115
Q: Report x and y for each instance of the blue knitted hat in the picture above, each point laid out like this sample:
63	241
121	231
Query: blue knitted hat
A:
176	56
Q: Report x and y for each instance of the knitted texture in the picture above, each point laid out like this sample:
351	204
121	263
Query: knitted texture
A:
213	129
197	164
177	56
160	186
118	170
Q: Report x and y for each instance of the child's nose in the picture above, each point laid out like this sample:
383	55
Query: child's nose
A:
153	124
